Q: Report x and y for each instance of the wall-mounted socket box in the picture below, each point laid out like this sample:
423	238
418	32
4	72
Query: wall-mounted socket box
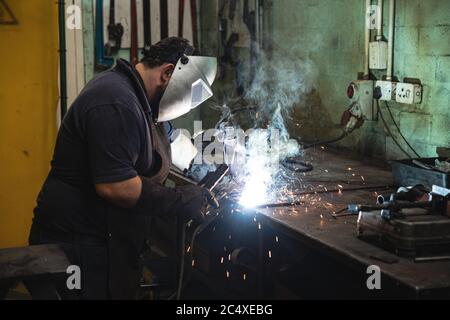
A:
378	51
408	93
361	91
387	89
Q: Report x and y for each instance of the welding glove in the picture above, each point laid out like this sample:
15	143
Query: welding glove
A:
194	202
187	202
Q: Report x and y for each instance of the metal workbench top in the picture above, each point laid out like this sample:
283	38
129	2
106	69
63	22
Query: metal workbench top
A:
313	221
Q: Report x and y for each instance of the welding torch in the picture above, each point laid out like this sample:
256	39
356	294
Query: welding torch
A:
406	198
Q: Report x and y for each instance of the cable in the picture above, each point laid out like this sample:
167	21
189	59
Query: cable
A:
199	229
183	255
296	165
389	131
398	129
342	136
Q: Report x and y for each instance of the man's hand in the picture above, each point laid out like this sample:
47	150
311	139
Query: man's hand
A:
194	201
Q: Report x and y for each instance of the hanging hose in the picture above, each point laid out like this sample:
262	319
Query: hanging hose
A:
318	143
390	132
198	230
296	164
399	131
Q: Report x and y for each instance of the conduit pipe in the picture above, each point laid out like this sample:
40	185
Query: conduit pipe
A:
380	21
366	38
391	39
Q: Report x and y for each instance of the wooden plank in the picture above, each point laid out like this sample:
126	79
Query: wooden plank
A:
122	15
27	262
75	59
155	21
173	17
187	22
88	39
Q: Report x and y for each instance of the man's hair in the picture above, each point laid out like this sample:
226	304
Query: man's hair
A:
168	50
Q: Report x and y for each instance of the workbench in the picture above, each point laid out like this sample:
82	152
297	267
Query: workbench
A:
304	251
313	223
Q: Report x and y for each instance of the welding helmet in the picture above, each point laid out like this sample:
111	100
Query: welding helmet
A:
189	86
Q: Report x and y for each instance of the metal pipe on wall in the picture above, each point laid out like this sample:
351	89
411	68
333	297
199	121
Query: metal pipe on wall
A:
380	21
62	58
391	39
366	38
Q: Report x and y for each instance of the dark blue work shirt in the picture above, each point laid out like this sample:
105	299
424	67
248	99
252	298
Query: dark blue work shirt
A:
103	138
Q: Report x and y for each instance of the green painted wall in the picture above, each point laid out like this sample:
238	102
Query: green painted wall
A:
330	33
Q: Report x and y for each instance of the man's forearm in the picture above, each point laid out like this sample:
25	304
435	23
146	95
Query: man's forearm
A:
143	196
155	198
124	194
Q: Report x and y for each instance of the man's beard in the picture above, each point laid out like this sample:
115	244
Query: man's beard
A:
156	99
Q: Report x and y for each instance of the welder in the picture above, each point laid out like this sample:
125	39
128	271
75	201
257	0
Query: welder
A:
111	159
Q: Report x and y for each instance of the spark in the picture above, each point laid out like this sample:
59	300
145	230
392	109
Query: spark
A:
228	274
362	177
259	226
193	262
270	254
256	187
244	276
276	238
229	257
188	249
222	260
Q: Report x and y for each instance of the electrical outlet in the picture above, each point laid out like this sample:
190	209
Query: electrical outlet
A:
408	93
387	90
361	91
378	55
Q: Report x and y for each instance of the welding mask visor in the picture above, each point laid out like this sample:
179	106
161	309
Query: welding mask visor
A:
189	86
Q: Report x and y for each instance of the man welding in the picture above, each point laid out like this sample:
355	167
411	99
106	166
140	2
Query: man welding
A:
111	159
